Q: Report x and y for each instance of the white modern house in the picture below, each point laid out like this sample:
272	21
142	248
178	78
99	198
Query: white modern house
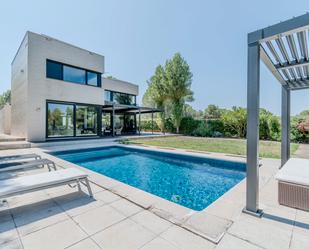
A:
58	92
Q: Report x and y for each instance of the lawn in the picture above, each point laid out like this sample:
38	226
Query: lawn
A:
268	149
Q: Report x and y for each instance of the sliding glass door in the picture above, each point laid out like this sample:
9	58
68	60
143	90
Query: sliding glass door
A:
70	120
86	120
60	120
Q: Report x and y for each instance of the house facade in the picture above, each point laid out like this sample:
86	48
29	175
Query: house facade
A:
58	92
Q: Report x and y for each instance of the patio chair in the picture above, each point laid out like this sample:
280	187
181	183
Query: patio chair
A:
19	157
31	183
118	131
293	184
11	166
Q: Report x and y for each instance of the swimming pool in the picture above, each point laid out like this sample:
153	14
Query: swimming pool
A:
193	182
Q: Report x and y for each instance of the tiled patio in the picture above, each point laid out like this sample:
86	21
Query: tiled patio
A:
120	216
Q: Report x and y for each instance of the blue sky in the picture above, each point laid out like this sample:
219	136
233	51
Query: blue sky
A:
135	36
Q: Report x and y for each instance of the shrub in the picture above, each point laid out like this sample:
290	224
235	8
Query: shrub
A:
188	125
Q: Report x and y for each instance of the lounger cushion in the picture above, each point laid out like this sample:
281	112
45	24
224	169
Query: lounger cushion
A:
296	171
31	182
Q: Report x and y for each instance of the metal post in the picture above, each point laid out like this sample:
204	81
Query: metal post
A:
253	99
285	125
139	121
113	125
152	121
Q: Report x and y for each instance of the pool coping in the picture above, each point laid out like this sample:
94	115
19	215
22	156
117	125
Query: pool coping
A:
207	223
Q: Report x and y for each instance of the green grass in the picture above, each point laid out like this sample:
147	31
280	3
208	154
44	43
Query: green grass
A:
268	149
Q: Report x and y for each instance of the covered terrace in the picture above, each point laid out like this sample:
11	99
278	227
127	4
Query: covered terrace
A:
283	48
120	118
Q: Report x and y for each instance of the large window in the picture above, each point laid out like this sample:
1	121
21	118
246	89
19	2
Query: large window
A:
60	120
73	74
60	71
120	98
69	120
86	120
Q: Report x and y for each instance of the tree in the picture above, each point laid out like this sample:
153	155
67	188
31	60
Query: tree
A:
156	93
5	98
212	112
235	121
178	82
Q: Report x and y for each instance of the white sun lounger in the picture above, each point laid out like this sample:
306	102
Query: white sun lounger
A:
31	183
19	157
11	166
293	184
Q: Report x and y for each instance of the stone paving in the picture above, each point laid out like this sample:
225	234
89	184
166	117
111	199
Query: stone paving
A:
120	216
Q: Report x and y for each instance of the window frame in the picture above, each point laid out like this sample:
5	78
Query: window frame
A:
98	108
99	75
112	95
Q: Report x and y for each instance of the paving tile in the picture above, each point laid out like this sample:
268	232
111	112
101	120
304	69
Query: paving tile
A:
300	239
58	236
125	207
34	217
159	243
207	225
142	198
85	244
171	211
98	219
231	242
107	197
184	239
262	232
124	235
77	203
152	222
8	231
13	244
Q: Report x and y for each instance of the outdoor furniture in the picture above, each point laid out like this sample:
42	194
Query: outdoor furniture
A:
293	184
31	183
19	157
118	131
11	166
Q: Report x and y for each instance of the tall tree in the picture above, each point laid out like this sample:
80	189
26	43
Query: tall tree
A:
156	93
178	82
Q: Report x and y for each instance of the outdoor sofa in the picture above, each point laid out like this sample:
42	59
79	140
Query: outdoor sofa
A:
293	184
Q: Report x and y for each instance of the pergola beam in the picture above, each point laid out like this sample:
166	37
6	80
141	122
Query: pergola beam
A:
293	25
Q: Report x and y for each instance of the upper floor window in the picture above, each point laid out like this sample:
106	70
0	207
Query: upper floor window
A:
60	71
73	74
120	98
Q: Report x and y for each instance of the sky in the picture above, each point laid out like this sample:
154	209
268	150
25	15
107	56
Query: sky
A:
137	35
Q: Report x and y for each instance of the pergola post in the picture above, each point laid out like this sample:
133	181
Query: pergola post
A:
285	125
113	126
139	121
253	104
152	121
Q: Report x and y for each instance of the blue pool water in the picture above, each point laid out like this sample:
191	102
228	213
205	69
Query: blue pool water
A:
193	182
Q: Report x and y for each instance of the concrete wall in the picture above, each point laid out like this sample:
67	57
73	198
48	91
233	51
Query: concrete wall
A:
31	88
119	86
19	90
5	119
41	88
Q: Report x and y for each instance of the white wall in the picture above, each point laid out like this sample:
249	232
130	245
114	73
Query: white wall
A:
5	119
19	90
119	86
41	88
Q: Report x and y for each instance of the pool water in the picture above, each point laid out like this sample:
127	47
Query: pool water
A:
193	182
